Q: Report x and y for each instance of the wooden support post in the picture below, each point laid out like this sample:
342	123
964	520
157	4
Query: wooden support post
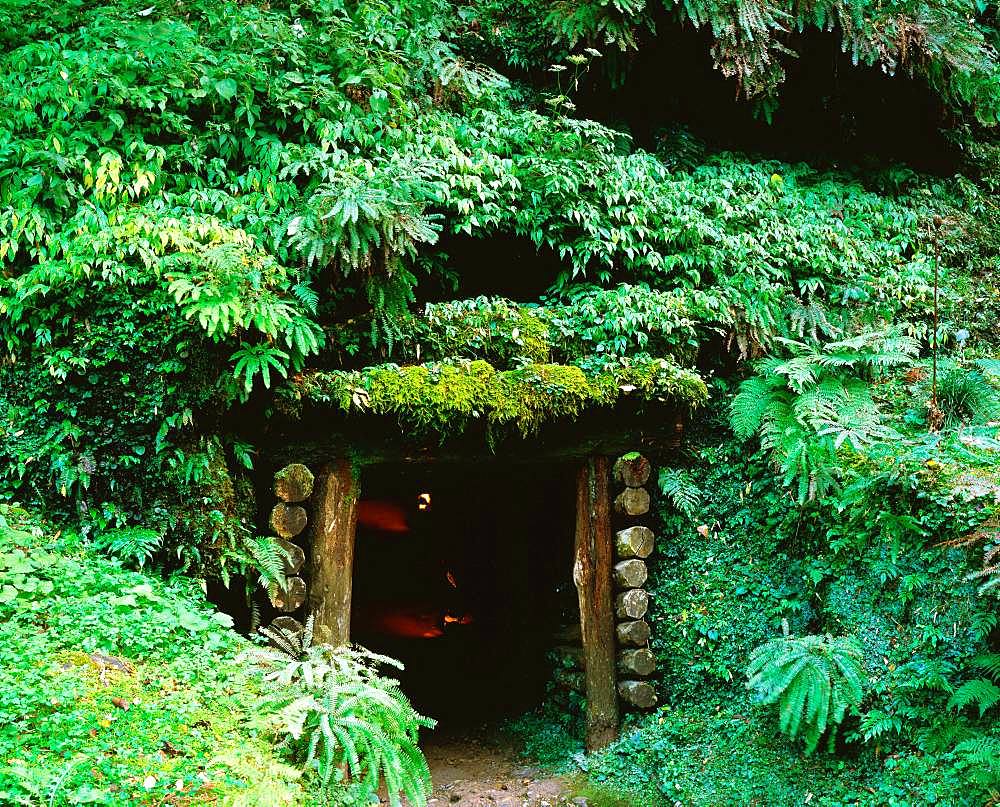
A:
334	515
594	557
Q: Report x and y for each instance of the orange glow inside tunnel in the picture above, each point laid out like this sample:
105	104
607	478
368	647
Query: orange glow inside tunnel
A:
412	622
379	514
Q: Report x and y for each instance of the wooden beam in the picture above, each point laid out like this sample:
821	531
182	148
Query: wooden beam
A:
334	516
594	557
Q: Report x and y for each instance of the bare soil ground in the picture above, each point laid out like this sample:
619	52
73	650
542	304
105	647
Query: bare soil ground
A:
482	771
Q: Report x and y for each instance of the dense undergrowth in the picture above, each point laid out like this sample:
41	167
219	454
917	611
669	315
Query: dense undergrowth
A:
118	688
894	557
216	214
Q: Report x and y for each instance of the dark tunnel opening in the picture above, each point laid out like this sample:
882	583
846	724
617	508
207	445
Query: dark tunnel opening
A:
464	573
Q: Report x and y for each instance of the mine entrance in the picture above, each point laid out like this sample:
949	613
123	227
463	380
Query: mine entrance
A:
464	573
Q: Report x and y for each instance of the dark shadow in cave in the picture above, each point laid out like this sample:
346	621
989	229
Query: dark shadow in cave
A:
829	109
497	265
466	586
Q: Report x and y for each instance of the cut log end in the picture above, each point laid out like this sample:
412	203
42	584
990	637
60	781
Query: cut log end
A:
634	542
632	470
288	625
295	557
294	483
631	573
639	694
634	633
632	502
290	598
288	520
632	604
637	662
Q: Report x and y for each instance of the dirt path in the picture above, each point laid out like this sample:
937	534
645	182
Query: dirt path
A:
476	771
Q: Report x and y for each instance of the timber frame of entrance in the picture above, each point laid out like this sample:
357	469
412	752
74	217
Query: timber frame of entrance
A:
316	490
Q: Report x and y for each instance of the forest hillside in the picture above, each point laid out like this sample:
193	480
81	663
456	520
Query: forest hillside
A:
474	220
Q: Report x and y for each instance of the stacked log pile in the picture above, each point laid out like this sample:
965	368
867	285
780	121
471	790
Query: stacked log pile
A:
633	544
293	485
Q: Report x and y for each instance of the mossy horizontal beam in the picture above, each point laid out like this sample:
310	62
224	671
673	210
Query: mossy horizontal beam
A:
444	398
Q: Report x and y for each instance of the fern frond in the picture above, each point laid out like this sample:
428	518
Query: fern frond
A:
681	490
134	544
750	405
988	662
813	679
982	693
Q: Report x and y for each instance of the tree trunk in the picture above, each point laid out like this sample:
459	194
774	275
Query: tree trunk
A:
335	515
635	542
637	662
592	575
631	573
638	693
632	604
632	470
635	633
632	502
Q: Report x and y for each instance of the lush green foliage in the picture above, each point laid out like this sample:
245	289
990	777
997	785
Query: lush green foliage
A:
193	206
813	679
345	719
211	212
120	689
952	45
809	405
116	688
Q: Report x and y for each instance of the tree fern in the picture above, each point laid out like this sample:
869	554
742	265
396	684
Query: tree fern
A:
814	680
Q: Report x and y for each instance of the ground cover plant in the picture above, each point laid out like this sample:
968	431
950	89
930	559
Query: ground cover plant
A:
216	215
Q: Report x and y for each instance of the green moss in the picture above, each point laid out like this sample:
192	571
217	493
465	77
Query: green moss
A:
444	397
